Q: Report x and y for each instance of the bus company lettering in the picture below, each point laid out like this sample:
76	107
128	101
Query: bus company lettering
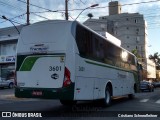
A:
39	49
121	75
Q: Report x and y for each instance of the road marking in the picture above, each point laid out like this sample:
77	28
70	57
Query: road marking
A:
144	100
158	101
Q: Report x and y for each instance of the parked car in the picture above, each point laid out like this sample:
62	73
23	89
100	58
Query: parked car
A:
146	85
6	83
156	84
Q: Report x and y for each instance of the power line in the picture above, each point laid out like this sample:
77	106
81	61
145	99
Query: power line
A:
7	4
15	22
95	7
62	11
82	2
41	16
130	4
15	4
12	18
116	5
48	10
37	6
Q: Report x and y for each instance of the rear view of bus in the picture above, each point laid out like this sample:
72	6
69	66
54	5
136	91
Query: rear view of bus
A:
41	69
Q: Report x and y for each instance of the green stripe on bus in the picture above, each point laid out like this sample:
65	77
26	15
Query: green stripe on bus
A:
28	63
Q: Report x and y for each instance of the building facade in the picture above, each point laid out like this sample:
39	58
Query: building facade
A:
130	28
114	8
151	69
158	75
100	26
8	41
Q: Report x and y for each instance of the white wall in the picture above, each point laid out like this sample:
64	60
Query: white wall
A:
151	69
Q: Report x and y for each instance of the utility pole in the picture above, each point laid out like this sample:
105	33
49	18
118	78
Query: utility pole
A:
28	12
66	9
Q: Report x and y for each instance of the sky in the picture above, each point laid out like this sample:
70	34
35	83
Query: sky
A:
41	10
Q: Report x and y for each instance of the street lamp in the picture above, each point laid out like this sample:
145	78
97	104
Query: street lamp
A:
94	5
4	17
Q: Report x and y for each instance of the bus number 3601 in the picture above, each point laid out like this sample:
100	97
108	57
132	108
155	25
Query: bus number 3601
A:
54	68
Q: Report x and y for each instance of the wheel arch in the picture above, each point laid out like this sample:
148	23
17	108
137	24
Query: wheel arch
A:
109	85
136	89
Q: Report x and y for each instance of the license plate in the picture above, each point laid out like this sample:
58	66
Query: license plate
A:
37	93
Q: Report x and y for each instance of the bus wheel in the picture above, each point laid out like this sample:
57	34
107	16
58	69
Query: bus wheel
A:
107	99
131	96
11	85
68	102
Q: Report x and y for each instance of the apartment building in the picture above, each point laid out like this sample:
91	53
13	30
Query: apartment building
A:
130	28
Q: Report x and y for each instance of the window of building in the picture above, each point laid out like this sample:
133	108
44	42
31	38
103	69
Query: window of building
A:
116	24
127	28
115	32
136	21
137	39
127	19
137	31
112	30
8	49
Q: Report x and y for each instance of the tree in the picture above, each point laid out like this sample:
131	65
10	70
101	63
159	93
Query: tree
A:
156	58
90	15
135	52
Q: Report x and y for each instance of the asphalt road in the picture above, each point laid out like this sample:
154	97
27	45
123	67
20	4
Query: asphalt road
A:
143	103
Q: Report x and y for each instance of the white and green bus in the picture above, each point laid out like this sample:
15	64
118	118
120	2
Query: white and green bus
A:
65	60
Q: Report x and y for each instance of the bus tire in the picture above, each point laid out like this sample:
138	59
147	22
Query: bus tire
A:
135	88
68	102
131	96
11	85
107	98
